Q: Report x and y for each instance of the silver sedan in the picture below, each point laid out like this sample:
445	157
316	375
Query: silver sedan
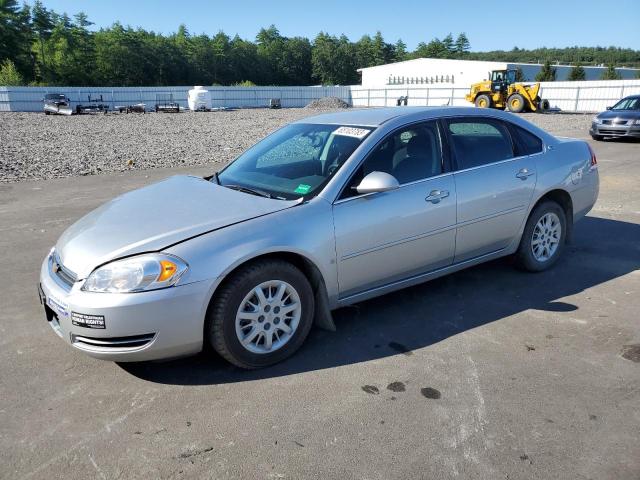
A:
325	212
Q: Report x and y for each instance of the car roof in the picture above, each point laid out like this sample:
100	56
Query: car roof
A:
376	116
369	117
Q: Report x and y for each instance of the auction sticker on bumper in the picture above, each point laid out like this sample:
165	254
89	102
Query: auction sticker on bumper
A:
87	321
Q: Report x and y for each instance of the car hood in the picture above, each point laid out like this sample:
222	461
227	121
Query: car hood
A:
155	217
621	114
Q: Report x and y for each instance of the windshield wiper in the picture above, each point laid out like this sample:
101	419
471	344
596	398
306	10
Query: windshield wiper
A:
252	191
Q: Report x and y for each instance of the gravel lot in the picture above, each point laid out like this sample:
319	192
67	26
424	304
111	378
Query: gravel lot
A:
36	146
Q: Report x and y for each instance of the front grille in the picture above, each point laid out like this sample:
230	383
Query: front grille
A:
112	343
608	131
64	274
614	122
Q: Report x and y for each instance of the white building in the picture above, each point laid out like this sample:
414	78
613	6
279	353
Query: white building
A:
463	73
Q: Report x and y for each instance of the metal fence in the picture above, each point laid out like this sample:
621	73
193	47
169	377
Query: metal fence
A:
588	96
29	99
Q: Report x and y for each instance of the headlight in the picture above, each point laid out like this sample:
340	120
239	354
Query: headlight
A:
595	120
136	274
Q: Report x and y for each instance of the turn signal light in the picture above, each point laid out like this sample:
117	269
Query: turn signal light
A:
167	269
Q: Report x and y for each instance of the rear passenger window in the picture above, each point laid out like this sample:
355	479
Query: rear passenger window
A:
526	142
479	141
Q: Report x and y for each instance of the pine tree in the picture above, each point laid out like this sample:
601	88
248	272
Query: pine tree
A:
612	74
400	51
449	45
43	23
576	73
462	44
547	73
16	36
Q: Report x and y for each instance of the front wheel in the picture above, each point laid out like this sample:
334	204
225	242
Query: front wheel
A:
261	314
597	138
515	103
483	101
543	238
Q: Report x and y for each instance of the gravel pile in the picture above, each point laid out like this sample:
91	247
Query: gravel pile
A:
328	103
36	146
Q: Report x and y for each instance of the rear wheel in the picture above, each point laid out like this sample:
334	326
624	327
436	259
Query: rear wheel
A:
543	239
515	103
483	101
261	315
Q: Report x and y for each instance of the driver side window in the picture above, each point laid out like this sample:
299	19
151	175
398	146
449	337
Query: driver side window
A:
410	154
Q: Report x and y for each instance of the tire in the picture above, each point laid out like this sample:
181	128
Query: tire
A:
47	113
515	103
527	256
225	324
543	105
597	138
483	101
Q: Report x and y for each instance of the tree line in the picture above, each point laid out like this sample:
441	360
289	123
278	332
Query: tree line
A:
39	46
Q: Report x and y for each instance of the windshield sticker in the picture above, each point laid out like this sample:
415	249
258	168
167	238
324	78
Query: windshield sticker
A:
303	188
351	132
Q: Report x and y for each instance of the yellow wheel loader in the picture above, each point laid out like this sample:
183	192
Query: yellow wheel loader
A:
502	91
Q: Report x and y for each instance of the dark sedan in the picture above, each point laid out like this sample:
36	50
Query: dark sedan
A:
621	120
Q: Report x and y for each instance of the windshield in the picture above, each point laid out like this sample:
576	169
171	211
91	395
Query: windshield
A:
296	161
632	103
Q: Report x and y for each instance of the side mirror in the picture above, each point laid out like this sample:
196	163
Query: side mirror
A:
377	182
609	108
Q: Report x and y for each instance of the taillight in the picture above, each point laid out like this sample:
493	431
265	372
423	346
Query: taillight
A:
594	160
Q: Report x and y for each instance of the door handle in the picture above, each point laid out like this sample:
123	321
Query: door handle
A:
436	195
524	173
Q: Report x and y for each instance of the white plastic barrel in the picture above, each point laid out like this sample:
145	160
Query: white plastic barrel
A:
199	99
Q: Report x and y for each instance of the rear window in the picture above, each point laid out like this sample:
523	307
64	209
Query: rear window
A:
526	142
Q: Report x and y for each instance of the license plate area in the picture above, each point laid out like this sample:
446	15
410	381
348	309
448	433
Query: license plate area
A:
50	314
52	319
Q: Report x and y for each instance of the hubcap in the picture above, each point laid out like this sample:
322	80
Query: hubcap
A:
268	316
546	237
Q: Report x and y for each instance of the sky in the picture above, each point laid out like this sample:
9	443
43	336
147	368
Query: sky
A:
550	23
